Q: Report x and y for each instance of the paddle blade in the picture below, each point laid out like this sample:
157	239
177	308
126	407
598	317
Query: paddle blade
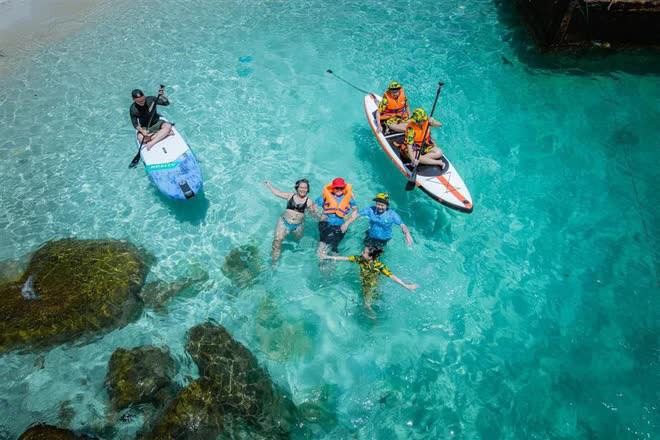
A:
135	161
411	183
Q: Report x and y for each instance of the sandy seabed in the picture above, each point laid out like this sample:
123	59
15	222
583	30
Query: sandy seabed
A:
26	24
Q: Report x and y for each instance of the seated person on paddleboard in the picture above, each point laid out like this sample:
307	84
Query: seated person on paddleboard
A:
144	110
430	153
381	220
370	267
339	211
293	218
393	111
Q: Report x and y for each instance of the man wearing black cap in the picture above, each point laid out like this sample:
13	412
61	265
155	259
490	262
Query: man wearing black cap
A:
143	110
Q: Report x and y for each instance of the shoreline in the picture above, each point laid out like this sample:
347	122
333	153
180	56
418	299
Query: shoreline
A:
28	24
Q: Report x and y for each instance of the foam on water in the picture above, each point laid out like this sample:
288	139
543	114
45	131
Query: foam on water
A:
537	314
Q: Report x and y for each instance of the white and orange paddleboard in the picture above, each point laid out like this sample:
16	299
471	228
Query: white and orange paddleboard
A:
442	184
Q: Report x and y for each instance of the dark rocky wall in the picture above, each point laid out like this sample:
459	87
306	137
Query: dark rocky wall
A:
570	23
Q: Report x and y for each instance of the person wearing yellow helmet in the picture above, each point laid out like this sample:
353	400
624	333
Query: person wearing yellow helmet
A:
418	138
393	110
381	220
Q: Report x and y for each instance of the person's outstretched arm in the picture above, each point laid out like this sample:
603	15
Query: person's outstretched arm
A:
276	191
334	257
411	286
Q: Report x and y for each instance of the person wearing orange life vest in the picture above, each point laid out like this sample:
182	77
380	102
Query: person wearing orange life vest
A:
430	154
393	110
339	210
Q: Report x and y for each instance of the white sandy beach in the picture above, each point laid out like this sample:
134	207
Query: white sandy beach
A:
25	24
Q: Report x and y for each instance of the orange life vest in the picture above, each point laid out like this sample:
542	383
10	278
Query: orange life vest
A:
419	133
395	107
330	204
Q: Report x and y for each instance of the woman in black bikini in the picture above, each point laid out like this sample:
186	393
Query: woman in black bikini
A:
294	215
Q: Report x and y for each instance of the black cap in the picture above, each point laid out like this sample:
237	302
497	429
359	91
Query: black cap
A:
137	93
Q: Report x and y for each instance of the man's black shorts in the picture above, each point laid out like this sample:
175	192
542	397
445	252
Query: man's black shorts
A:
374	242
330	235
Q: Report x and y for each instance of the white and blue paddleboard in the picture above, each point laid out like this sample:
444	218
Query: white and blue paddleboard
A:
172	167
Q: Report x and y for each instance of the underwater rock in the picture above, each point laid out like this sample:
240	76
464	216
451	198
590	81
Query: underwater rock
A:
156	294
319	413
49	432
66	413
140	375
82	287
194	414
280	338
233	397
242	265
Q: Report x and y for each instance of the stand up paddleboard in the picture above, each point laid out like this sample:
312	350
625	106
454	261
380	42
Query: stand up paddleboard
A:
442	184
172	167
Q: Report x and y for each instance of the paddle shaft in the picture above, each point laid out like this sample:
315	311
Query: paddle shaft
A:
152	112
342	79
410	185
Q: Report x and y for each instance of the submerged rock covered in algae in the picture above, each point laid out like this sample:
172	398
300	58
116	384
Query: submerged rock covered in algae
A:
156	294
140	375
72	288
233	397
280	337
242	265
49	432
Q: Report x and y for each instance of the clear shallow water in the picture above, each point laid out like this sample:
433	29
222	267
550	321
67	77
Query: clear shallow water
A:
537	314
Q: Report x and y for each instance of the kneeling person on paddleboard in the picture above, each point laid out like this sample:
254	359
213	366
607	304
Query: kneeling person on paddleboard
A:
381	220
418	137
370	267
145	118
336	203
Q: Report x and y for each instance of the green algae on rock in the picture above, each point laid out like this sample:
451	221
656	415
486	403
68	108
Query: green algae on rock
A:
140	375
242	265
49	432
72	288
194	413
233	397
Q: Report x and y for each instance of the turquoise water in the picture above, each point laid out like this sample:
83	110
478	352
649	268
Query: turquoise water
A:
537	315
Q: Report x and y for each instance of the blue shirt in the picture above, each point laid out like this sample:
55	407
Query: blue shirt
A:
380	225
334	219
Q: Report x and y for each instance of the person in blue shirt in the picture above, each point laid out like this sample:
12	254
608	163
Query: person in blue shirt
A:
381	220
339	210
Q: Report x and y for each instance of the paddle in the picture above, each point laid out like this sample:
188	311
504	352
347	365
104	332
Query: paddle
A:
411	183
152	111
342	79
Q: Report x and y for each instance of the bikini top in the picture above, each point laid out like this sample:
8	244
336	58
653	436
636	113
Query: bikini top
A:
299	207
